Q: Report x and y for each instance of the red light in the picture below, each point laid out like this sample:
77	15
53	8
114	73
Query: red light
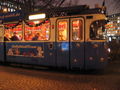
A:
46	21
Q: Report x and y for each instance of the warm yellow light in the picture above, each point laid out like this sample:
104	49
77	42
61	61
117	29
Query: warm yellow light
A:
36	22
37	16
5	10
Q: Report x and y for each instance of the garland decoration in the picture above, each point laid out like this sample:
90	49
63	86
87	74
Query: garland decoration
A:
27	23
35	25
14	26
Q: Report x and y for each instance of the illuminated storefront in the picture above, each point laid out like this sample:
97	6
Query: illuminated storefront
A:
113	27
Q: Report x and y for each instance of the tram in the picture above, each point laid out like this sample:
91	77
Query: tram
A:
71	41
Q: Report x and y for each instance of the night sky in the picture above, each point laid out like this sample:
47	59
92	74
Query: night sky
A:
91	2
110	8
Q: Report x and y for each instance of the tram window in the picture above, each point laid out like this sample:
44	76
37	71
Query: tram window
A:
77	30
37	33
13	32
62	30
97	30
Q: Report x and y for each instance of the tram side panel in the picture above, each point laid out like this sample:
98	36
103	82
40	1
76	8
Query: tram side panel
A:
102	59
2	53
95	51
96	55
32	51
91	54
77	55
35	53
24	53
2	45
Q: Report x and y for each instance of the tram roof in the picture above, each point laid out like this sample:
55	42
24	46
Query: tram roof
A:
67	11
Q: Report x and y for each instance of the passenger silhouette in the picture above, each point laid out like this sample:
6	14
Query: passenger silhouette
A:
14	37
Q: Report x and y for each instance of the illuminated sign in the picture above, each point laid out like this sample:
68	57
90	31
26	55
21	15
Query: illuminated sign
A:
37	16
65	46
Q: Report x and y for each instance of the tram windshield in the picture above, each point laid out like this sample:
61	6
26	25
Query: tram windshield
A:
97	30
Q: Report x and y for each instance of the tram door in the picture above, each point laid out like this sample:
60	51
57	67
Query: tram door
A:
63	47
1	43
70	43
77	43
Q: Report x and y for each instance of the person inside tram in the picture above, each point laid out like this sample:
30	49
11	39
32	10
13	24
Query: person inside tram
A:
42	36
36	37
7	37
20	37
15	37
29	36
62	35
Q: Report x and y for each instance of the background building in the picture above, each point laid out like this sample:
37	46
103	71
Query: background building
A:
7	6
113	27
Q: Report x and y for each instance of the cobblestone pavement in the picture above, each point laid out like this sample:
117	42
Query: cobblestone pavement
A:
14	78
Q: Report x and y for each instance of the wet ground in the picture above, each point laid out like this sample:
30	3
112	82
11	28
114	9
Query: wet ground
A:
16	78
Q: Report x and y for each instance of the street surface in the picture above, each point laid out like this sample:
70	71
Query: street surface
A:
16	78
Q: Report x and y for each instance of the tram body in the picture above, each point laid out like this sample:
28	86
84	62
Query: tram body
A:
65	41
